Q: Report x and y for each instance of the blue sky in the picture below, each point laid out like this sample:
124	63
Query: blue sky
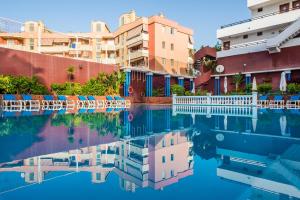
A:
203	16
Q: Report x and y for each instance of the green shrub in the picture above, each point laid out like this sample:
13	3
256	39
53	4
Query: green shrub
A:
67	88
201	92
177	89
188	93
21	85
248	88
293	88
264	88
159	92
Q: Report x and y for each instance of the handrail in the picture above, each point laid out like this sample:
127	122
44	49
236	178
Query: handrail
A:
256	18
248	44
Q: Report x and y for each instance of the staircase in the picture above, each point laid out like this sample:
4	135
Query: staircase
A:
274	44
203	78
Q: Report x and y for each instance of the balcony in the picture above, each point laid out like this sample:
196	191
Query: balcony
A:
54	49
141	37
258	23
107	47
15	46
138	54
84	47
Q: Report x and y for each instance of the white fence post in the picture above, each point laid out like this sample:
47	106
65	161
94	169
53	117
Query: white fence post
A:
254	98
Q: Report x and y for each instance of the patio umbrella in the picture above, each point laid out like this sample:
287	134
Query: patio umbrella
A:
225	122
254	124
225	85
282	85
283	122
254	85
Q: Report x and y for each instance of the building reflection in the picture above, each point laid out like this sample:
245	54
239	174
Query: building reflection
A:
155	161
263	155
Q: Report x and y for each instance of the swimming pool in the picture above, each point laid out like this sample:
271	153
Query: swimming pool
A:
151	152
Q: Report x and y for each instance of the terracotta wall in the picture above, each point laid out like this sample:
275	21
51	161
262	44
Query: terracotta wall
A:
49	69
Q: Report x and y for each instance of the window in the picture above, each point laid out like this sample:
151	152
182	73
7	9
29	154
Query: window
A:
163	61
260	9
31	27
163	44
259	33
172	142
172	157
284	7
172	173
163	143
163	159
98	176
172	62
163	29
31	176
98	27
31	44
172	31
31	162
172	47
296	4
226	45
163	175
245	36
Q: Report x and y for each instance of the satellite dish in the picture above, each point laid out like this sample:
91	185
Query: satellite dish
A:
220	68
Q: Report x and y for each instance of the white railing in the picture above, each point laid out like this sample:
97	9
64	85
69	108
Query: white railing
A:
232	111
234	100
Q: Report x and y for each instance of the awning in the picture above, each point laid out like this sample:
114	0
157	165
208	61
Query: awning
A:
141	42
134	32
61	40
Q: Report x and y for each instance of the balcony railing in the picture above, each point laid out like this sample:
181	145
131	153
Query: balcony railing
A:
138	54
141	37
256	18
15	46
248	44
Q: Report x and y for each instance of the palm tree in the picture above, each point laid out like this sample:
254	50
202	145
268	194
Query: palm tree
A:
209	63
70	72
237	80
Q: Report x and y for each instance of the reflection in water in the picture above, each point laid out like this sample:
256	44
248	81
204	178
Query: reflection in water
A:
156	147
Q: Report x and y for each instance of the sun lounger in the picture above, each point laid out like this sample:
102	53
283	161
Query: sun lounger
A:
293	102
67	104
50	104
263	101
278	101
9	103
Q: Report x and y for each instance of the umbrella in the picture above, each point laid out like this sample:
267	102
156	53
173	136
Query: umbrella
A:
282	85
254	86
283	122
254	124
225	122
225	85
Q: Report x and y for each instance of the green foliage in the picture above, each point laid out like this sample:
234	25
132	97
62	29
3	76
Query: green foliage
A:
21	85
103	84
67	88
159	92
248	88
70	72
293	88
264	88
209	64
201	92
188	93
177	89
237	80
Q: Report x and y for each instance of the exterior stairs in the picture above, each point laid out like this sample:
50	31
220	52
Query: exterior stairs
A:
274	44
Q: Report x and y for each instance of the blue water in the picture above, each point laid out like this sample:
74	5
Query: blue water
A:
151	152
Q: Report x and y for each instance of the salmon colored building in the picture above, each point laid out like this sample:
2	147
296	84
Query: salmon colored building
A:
155	52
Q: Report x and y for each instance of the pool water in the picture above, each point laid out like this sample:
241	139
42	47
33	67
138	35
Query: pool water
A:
151	152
